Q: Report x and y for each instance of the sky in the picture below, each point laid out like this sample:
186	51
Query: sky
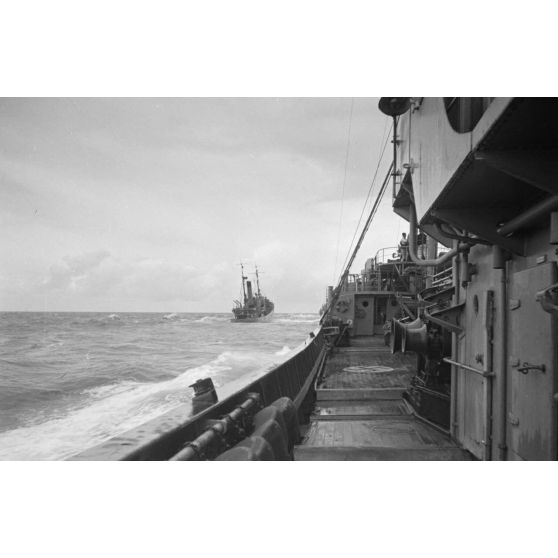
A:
149	204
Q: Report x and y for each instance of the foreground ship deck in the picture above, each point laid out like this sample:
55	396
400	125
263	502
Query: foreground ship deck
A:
360	413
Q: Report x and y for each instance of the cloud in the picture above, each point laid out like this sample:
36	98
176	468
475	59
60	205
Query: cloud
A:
100	275
149	204
155	279
73	270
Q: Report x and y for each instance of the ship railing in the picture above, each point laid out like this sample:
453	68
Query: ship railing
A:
164	437
442	278
387	255
371	285
360	285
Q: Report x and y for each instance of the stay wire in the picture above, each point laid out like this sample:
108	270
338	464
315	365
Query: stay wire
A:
344	183
385	143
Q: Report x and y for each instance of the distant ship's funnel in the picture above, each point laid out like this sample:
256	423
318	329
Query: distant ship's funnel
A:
249	287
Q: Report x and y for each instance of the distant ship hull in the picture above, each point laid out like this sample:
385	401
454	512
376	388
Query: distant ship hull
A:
254	319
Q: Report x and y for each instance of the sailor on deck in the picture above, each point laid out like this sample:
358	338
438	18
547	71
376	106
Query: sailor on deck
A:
404	247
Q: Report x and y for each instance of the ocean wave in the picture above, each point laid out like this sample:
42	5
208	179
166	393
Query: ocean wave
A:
115	408
99	392
126	346
98	321
171	316
296	321
114	374
211	319
20	363
284	351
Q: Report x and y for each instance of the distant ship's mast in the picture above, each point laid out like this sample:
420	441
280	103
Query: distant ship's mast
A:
258	281
243	279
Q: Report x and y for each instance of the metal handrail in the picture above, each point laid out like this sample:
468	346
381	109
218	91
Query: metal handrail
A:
483	373
384	259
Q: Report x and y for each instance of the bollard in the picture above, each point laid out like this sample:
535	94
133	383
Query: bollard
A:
204	395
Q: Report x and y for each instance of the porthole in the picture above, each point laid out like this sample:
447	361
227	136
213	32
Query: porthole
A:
465	112
365	303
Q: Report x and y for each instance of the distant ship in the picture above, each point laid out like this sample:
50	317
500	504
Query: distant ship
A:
255	307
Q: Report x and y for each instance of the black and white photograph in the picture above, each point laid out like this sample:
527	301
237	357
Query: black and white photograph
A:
279	279
223	242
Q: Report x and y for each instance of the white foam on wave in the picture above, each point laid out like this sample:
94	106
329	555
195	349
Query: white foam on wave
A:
113	317
297	320
113	409
100	392
284	351
211	319
171	316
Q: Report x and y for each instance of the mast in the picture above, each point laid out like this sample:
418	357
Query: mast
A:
258	281
243	279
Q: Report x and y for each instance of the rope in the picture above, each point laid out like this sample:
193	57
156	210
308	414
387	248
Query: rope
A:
344	183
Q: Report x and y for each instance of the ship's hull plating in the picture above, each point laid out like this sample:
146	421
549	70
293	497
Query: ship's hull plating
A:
251	320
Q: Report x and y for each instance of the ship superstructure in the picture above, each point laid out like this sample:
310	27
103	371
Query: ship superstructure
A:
386	288
479	176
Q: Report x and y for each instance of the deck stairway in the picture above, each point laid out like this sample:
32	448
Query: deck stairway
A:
360	414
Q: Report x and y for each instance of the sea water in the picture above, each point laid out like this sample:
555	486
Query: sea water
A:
70	381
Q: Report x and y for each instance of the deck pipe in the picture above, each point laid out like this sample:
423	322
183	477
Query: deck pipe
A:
489	383
213	440
554	227
454	351
503	363
529	216
431	246
413	245
456	236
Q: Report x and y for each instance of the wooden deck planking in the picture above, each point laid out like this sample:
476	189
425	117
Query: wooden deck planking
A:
386	432
368	394
371	380
328	438
339	434
360	414
379	407
303	453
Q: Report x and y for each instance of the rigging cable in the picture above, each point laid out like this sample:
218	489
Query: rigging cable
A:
369	190
344	183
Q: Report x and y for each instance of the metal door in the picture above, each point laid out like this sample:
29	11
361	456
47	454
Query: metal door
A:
531	367
474	397
364	315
